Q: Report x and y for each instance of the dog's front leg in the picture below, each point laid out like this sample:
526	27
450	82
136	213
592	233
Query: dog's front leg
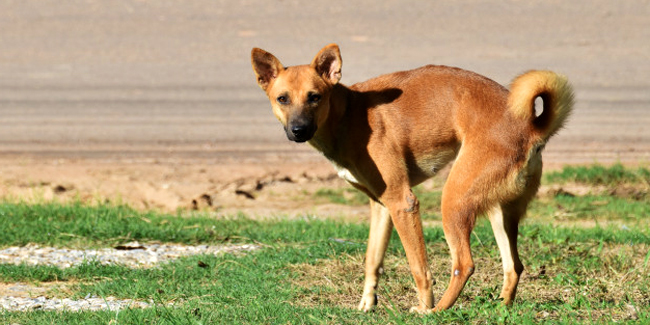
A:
404	210
380	230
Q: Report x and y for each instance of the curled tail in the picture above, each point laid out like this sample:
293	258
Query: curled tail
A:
555	91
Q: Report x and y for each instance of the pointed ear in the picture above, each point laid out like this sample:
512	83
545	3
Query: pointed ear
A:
328	63
266	67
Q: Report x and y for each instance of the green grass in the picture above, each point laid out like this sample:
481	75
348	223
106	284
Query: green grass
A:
310	271
347	196
84	226
587	272
592	207
599	175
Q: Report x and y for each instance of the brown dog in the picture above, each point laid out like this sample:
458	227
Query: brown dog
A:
392	132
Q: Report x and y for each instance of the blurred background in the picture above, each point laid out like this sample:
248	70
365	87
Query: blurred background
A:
136	78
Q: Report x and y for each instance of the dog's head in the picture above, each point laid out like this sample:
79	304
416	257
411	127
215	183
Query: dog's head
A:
299	95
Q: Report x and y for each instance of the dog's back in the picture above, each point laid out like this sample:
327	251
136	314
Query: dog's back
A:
438	109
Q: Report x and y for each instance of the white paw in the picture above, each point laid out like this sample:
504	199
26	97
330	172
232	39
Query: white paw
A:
368	302
420	310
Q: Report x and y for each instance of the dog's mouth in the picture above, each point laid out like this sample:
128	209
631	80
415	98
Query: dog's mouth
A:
300	132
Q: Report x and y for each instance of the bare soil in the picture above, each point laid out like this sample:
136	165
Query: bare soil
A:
254	189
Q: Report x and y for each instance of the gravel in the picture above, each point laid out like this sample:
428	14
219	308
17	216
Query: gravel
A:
90	303
134	255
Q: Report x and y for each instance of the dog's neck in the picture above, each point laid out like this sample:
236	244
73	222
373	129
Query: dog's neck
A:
325	140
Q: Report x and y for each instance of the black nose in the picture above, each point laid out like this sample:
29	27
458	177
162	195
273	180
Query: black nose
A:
301	131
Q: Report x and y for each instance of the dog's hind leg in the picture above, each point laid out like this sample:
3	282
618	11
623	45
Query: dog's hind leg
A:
457	227
381	227
505	218
505	223
461	200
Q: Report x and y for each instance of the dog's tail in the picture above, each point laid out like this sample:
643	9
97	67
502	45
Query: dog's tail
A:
553	89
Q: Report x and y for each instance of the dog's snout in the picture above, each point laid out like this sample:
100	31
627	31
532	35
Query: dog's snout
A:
301	132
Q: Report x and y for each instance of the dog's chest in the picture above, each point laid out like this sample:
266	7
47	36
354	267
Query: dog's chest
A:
345	174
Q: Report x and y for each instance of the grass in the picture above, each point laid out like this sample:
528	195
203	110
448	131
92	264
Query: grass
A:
600	175
310	271
347	196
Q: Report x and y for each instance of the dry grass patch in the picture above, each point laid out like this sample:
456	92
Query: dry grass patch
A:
56	289
589	281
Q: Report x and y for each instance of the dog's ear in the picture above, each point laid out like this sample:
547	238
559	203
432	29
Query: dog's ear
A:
328	63
266	67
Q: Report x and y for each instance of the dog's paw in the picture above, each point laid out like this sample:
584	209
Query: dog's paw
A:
368	302
421	310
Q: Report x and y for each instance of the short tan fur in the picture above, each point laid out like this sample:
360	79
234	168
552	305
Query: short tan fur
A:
390	133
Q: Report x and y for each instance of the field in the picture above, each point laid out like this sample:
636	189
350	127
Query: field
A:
585	245
140	121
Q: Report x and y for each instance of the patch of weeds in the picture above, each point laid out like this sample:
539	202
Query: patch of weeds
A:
571	277
599	175
594	208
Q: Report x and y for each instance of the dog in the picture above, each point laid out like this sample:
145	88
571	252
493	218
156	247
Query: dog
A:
392	132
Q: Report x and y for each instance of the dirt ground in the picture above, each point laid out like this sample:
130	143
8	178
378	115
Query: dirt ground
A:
154	104
255	189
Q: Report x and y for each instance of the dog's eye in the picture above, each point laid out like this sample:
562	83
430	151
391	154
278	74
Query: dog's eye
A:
314	98
283	99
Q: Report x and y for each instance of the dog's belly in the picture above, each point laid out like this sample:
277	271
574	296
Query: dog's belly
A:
427	166
422	169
